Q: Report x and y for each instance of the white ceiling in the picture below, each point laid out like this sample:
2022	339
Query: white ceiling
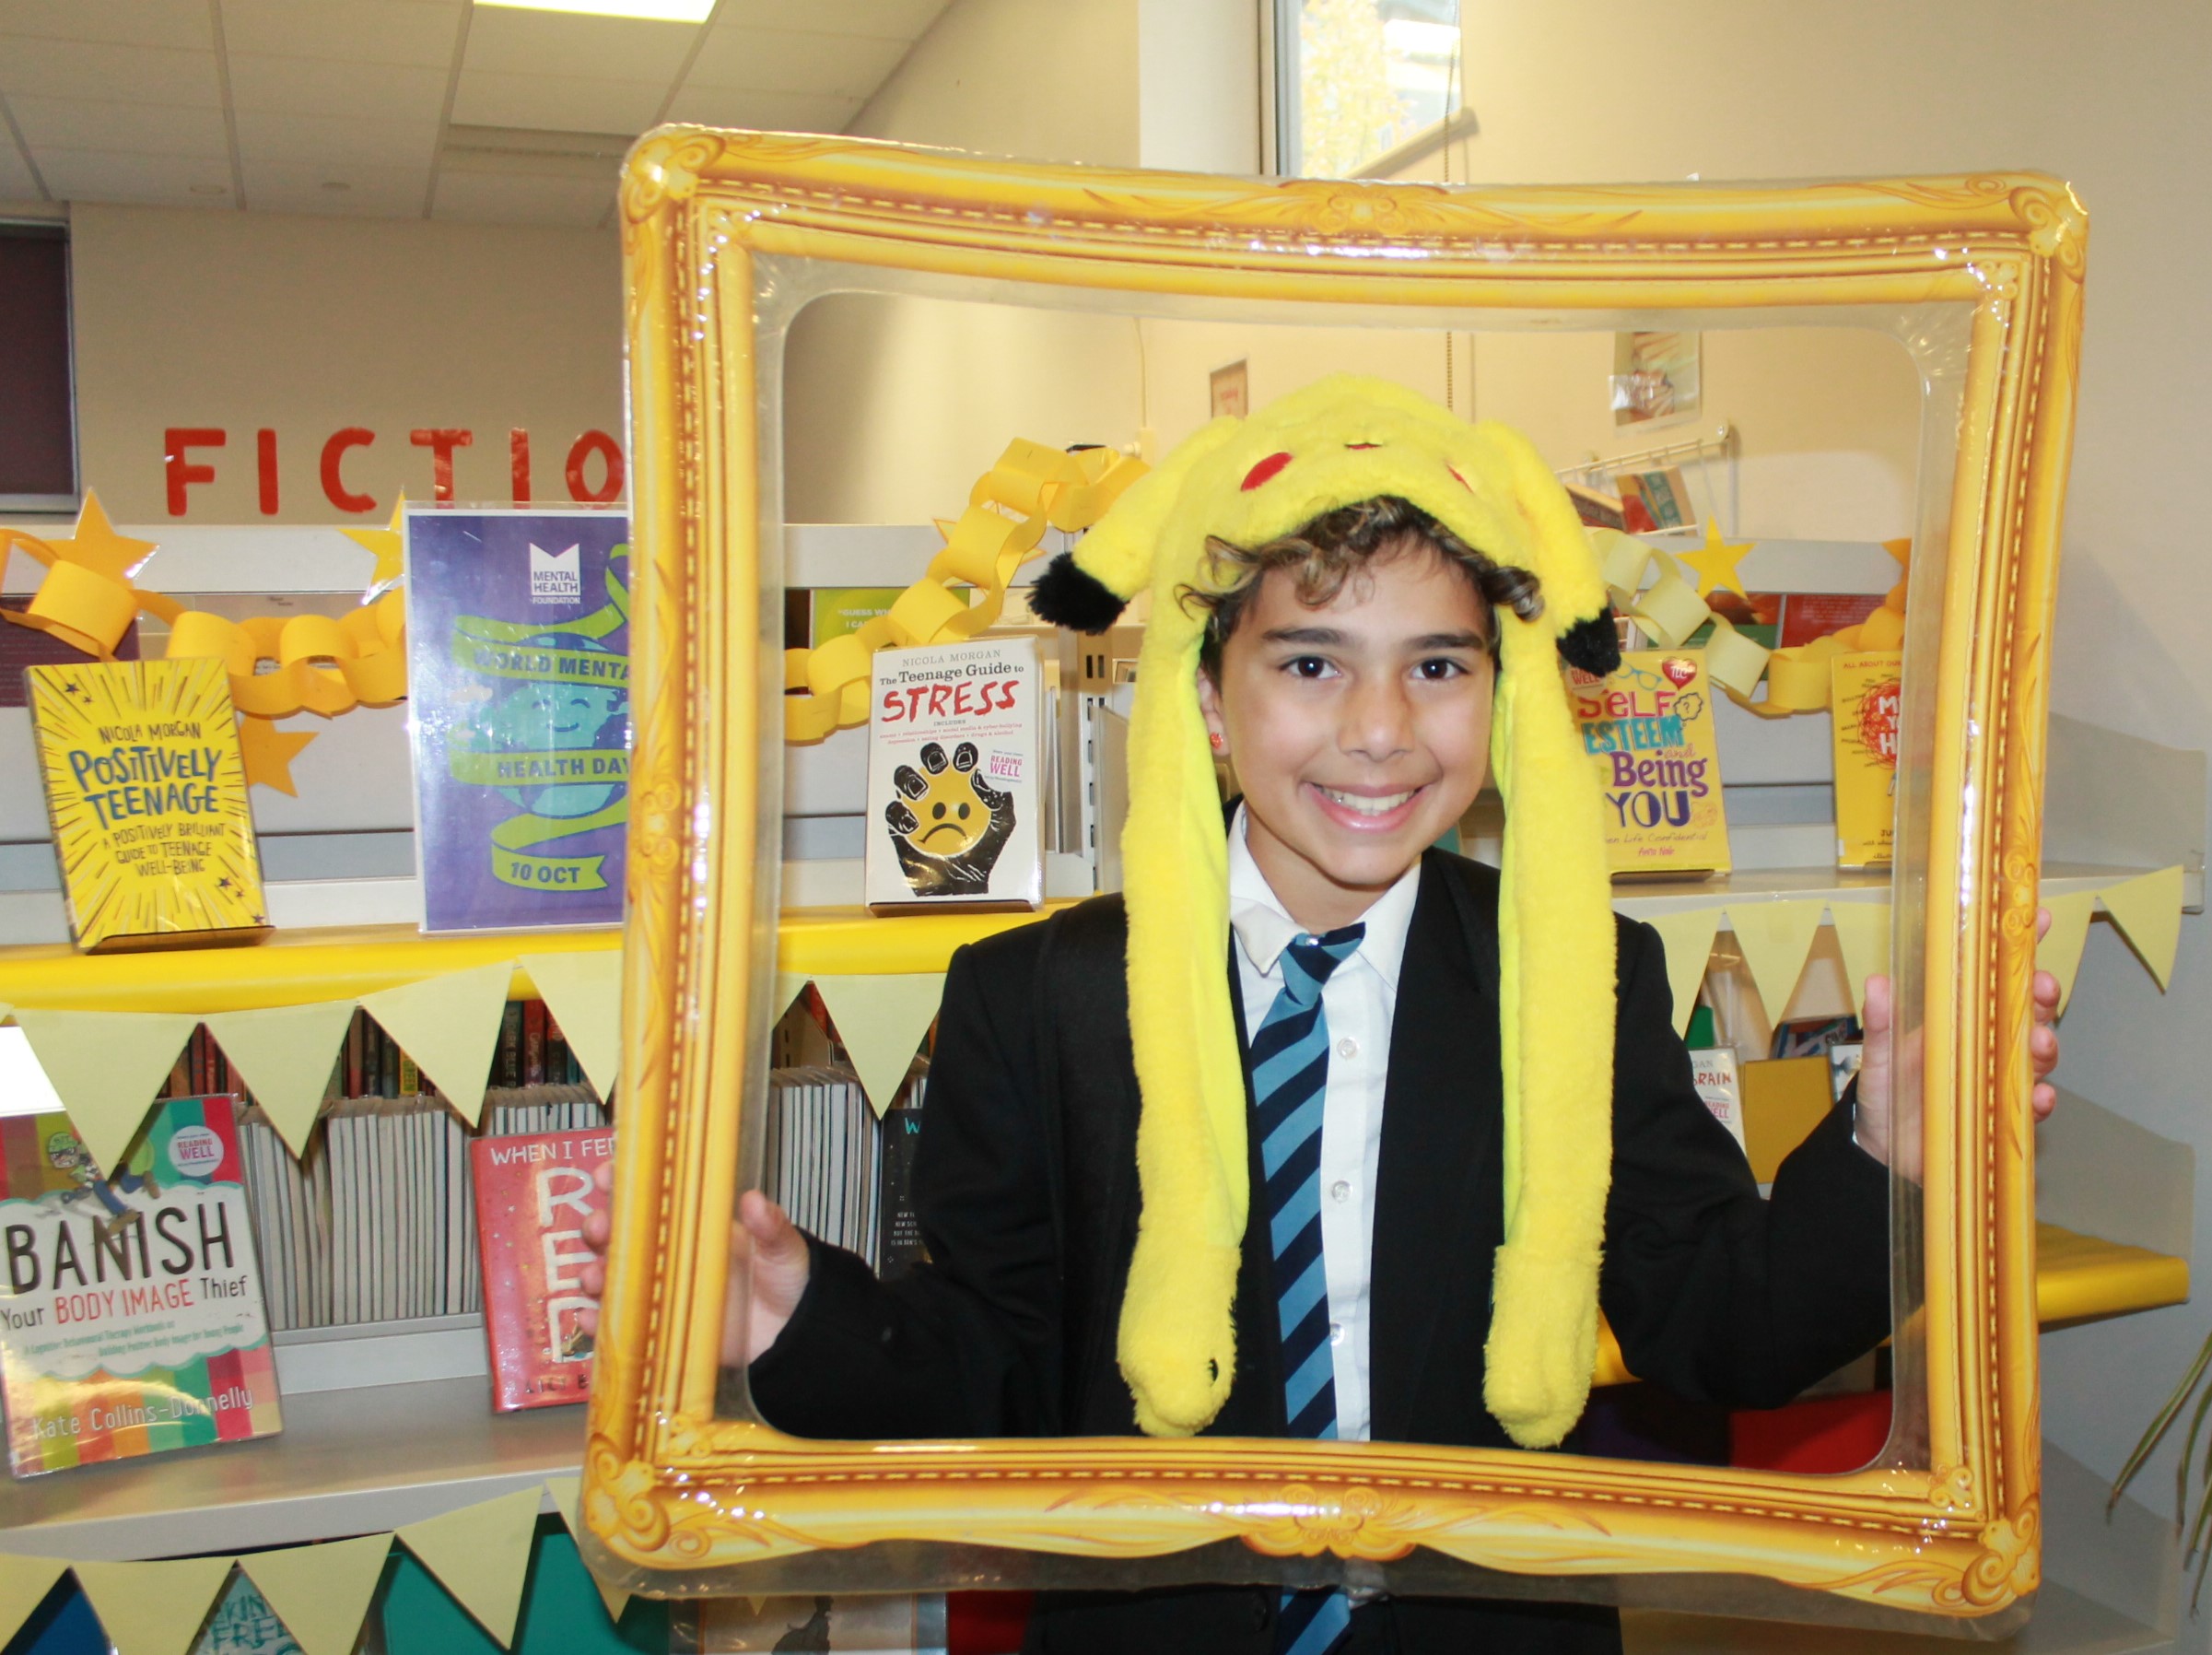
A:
438	109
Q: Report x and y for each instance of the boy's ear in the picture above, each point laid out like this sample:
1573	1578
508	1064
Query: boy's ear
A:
1209	709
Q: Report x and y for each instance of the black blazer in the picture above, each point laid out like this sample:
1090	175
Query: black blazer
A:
1026	1186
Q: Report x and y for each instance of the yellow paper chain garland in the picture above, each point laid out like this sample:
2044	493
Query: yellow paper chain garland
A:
1030	489
277	667
1671	610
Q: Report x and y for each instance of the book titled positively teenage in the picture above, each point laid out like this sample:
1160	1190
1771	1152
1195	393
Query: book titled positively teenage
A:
1648	728
533	1193
131	1321
953	777
146	790
519	699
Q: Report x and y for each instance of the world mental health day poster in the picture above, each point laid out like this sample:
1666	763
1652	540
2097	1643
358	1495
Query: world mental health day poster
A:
518	642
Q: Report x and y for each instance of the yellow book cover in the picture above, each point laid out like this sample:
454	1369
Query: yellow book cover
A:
147	792
1864	694
1648	728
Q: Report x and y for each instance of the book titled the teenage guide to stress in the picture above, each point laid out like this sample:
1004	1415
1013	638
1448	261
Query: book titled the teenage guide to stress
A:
131	1315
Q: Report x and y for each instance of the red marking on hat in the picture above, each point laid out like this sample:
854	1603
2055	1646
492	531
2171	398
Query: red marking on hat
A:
1458	479
1266	469
1363	445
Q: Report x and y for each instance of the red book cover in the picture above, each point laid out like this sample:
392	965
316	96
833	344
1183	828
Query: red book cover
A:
533	1193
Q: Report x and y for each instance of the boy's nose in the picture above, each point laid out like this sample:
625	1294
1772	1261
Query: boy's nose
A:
1378	720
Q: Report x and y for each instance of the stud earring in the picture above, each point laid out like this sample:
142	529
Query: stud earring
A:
1215	737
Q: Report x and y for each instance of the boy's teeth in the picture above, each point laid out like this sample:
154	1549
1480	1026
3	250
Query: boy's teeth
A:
1366	805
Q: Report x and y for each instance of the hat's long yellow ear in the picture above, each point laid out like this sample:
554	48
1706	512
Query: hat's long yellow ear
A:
1556	968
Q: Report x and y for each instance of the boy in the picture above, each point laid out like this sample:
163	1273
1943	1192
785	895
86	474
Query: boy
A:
1347	670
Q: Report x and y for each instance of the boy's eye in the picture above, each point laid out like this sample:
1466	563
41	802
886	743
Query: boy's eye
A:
1439	668
1307	666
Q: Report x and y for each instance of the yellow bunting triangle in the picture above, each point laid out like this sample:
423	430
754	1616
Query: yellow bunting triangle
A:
481	1555
1715	563
583	991
1689	939
2060	951
322	1593
567	1498
388	544
153	1608
268	752
450	1026
1861	934
285	1054
96	546
24	1583
106	1067
881	1020
1775	937
2148	912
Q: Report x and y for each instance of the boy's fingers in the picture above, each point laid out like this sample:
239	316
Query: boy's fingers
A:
2043	1100
593	1278
2042	924
1877	1020
598	1228
2045	992
587	1318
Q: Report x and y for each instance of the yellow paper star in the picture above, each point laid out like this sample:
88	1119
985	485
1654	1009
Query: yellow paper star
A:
97	546
388	544
269	752
1715	563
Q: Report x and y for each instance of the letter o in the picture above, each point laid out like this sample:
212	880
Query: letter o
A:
610	453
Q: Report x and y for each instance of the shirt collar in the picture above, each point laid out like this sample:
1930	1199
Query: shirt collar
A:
1264	928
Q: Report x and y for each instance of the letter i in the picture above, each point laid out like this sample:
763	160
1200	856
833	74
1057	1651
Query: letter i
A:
518	454
265	454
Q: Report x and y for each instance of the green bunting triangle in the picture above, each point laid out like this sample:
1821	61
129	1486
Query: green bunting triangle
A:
450	1026
153	1608
106	1067
284	1054
322	1593
481	1556
583	991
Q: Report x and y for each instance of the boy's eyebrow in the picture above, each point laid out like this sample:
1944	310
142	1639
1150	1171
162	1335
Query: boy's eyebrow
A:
1330	638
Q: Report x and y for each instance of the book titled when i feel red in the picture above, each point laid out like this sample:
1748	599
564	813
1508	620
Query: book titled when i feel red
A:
533	1193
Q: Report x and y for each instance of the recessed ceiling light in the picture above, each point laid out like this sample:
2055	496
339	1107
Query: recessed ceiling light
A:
657	11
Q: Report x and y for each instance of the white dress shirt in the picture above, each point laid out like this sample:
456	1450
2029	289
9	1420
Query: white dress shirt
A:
1357	999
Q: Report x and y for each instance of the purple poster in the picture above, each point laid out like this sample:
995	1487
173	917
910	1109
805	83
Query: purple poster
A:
518	663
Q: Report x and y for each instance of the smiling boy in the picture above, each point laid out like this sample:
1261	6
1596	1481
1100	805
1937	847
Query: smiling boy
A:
1384	1001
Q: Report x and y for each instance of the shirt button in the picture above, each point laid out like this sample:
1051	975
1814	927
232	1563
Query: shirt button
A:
1340	1191
1348	1046
1336	1333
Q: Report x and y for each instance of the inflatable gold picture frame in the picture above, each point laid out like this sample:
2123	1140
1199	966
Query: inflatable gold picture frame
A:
719	230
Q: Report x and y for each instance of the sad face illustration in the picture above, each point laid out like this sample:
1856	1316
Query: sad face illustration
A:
950	826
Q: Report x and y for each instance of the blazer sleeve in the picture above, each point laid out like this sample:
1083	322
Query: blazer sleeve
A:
965	1344
1714	1292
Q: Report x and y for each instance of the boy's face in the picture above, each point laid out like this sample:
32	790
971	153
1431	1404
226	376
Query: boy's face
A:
1360	731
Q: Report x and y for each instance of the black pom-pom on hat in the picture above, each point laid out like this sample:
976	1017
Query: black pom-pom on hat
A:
1067	597
1593	645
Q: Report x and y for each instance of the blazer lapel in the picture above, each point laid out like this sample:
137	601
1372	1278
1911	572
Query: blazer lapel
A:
1436	1218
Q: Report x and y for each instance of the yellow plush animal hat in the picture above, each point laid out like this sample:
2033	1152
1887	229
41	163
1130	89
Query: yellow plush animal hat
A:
1337	441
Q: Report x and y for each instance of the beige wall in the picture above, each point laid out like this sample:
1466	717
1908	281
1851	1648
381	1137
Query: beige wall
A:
241	321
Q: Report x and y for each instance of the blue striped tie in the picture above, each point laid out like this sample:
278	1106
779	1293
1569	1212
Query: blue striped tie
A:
1289	1077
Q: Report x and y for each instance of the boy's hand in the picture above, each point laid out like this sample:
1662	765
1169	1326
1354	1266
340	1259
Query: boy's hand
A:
1888	1068
762	1242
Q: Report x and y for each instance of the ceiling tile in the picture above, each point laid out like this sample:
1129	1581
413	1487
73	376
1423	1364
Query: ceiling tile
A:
418	32
762	112
504	40
492	199
556	102
790	61
886	20
119	22
15	181
160	180
81	123
306	86
41	68
371	192
314	140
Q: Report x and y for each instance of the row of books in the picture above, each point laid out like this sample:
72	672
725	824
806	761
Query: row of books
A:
842	1175
377	1220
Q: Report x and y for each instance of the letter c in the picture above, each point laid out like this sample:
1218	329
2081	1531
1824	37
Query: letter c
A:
334	453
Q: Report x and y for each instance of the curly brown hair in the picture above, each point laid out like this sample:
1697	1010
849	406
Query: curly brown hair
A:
1337	547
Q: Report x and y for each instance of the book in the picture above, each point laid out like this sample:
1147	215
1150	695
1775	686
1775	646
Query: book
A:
146	790
533	1195
134	1320
1648	728
1714	1072
954	766
1863	697
518	662
839	610
899	1227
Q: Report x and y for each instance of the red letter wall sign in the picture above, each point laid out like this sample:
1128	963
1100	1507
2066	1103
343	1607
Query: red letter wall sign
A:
181	471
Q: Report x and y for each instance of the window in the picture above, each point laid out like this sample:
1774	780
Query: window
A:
1354	79
38	417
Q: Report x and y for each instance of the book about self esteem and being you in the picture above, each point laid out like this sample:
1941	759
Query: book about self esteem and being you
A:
146	790
953	801
1649	730
132	1319
533	1193
518	663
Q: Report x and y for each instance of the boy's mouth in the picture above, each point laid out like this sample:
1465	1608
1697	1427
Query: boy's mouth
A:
1367	810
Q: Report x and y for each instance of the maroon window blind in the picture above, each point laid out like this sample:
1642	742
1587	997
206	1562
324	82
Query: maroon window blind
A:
38	445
